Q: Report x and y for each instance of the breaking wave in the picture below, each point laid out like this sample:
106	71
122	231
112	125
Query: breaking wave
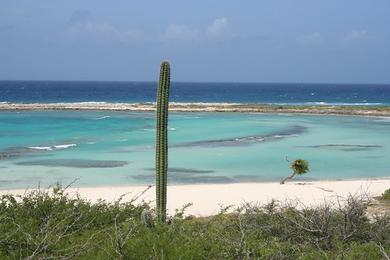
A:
342	103
44	148
100	118
64	146
53	147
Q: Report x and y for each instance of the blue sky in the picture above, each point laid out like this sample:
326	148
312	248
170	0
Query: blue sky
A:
331	41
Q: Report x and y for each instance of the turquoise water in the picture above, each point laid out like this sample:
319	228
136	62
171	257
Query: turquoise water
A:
117	148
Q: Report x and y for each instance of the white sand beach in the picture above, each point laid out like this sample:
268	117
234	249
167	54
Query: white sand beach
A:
208	199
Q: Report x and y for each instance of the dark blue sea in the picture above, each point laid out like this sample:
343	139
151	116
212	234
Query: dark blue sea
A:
271	93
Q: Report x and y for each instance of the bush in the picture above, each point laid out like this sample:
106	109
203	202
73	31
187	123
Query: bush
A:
44	224
386	195
364	251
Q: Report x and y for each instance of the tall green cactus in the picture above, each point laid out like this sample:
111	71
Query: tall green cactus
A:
162	141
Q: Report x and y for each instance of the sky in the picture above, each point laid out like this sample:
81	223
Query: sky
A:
298	41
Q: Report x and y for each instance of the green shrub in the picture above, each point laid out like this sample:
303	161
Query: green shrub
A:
386	195
53	225
364	251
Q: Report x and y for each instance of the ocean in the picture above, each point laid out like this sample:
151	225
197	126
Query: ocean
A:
269	93
100	148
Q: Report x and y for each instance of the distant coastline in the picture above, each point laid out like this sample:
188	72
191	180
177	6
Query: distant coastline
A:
206	107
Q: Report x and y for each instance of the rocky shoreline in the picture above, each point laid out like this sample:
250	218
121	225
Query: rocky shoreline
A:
206	107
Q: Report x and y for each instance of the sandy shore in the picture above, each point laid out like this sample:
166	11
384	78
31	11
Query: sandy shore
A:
208	199
205	107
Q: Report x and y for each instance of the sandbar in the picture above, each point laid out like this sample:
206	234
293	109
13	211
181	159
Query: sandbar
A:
205	107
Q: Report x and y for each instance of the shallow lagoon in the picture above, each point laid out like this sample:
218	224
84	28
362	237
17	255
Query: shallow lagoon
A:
117	148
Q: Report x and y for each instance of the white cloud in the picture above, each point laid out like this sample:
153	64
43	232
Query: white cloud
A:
78	17
310	39
218	27
180	32
355	36
80	27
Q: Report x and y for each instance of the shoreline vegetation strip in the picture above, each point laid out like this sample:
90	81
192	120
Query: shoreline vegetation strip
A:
207	107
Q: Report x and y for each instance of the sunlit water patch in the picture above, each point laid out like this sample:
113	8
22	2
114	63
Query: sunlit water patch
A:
117	148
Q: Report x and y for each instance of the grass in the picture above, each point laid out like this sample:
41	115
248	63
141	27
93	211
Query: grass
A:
52	225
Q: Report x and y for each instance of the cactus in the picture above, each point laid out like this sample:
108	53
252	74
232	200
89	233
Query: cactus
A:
162	141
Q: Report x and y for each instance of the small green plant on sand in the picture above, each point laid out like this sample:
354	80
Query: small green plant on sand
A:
386	195
299	167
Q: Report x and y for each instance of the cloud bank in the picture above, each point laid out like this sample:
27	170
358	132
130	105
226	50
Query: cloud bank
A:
80	26
218	29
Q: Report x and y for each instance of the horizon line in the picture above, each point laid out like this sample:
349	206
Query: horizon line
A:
199	82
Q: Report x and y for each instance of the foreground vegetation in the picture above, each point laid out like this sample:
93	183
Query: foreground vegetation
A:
52	225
